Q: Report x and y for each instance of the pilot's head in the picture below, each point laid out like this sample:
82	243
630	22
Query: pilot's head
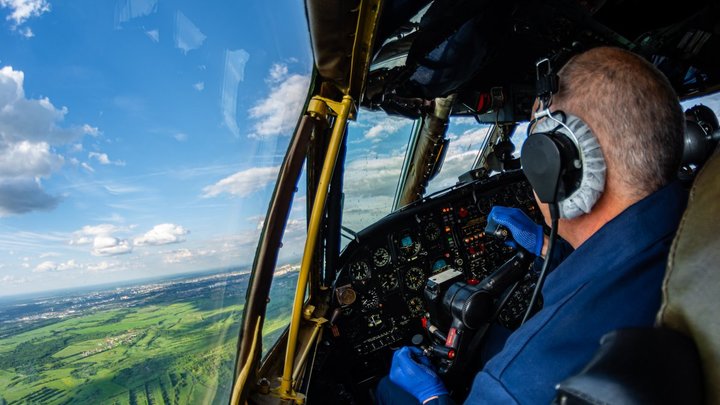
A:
633	111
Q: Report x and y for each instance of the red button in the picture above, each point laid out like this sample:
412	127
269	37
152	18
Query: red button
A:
462	213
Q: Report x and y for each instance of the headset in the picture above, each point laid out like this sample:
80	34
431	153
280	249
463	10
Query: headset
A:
563	162
561	157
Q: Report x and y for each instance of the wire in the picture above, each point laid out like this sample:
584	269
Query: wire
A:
554	214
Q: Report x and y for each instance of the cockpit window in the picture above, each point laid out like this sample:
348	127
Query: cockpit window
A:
466	138
139	144
376	145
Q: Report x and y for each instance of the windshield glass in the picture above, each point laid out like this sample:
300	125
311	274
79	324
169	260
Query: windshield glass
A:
376	145
139	144
465	137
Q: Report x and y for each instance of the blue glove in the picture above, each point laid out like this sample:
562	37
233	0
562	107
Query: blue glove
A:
413	372
524	231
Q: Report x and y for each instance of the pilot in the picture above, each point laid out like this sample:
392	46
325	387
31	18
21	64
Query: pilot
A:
612	279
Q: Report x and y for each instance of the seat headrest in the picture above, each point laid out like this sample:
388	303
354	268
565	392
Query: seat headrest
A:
691	289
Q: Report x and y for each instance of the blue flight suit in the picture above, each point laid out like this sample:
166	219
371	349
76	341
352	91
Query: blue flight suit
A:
611	281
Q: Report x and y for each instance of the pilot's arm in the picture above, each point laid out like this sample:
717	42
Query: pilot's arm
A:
414	373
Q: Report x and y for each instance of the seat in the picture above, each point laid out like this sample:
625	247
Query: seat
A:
691	291
678	361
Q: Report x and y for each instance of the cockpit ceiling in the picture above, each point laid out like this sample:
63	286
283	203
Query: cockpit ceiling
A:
427	49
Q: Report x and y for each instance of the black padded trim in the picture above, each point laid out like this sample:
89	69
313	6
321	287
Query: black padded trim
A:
638	366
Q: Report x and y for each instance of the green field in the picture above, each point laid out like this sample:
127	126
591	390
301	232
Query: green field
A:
179	352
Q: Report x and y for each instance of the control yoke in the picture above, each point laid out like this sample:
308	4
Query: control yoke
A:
465	309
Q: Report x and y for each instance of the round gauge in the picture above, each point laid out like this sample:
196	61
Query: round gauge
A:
388	281
414	278
359	271
371	300
381	257
346	296
416	307
409	247
432	231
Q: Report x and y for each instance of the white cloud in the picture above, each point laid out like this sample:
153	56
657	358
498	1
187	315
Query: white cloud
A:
177	256
243	183
106	245
373	176
199	86
87	234
26	159
180	137
29	130
469	140
22	10
90	130
278	71
103	159
49	266
463	121
277	114
234	74
12	280
101	266
385	127
87	167
101	237
187	35
162	234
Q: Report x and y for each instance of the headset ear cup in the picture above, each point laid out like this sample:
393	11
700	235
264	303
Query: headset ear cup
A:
563	162
541	162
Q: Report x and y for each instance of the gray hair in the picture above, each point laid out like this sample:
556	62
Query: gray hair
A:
634	111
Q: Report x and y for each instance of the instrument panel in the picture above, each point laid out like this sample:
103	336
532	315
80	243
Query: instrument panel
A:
378	292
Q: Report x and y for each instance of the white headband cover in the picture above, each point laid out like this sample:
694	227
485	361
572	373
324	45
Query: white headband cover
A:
593	163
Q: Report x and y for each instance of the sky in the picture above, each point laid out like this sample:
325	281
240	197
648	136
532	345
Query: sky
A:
142	138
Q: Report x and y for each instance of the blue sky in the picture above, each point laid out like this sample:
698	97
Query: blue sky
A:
140	137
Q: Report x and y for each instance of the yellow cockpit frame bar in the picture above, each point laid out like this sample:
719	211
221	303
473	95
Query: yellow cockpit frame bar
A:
286	385
368	17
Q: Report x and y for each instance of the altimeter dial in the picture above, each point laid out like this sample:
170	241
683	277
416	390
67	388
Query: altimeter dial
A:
370	301
389	281
432	231
414	278
416	307
381	257
359	271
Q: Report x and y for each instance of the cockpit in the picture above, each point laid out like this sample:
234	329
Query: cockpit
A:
431	273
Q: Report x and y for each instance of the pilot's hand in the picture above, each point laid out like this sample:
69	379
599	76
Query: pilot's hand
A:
413	372
524	231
